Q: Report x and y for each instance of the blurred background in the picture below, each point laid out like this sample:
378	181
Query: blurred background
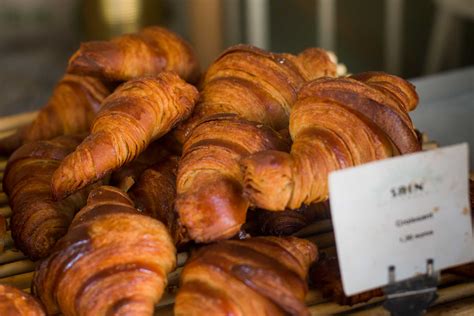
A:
408	38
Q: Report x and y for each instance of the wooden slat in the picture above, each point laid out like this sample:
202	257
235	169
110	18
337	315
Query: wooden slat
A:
5	211
11	255
3	196
20	281
15	121
3	164
16	267
464	307
5	134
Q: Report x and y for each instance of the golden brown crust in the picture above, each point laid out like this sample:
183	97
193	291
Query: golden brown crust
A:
14	302
138	112
209	183
70	110
154	194
150	51
37	221
257	276
113	260
334	124
257	85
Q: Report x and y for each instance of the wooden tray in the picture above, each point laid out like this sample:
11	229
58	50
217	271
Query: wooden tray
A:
456	294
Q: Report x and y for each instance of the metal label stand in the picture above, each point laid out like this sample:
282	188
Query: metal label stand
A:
413	296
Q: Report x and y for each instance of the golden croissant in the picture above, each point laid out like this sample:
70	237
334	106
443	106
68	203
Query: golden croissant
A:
335	123
145	53
70	110
38	221
257	85
15	302
257	276
209	182
137	113
112	261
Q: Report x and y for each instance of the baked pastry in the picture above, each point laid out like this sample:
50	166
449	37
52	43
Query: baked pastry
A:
15	302
113	261
335	123
256	276
137	113
154	195
209	182
70	110
325	276
257	85
37	221
145	53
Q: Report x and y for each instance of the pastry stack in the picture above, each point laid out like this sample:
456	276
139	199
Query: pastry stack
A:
137	154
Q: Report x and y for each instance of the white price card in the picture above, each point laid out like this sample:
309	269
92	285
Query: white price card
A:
401	212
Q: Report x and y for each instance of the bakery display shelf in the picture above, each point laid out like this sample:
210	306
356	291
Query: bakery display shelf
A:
456	294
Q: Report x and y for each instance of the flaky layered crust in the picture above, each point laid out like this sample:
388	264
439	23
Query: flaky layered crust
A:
150	51
257	276
70	110
334	124
257	85
209	182
14	302
113	260
155	192
37	221
138	112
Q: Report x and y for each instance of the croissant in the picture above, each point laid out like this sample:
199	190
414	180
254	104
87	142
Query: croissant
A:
256	276
257	85
150	51
154	194
334	124
137	113
325	275
37	221
14	302
70	110
209	182
113	261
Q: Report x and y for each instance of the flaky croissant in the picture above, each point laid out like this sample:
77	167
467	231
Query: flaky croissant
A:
155	192
257	85
113	261
137	113
150	51
14	302
70	110
257	276
209	182
334	124
37	221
